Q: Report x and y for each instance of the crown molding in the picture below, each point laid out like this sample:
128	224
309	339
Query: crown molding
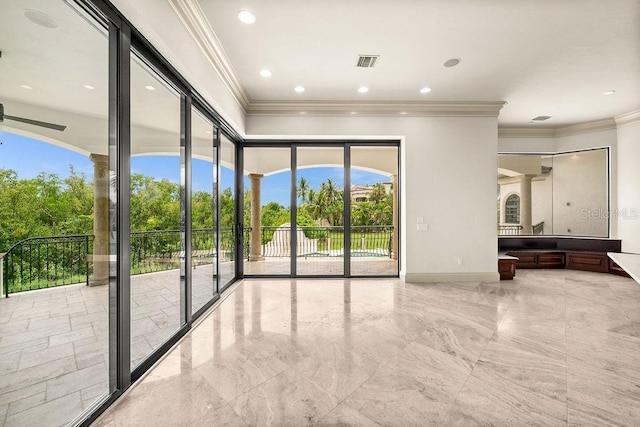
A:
197	24
628	118
556	132
400	109
587	127
525	132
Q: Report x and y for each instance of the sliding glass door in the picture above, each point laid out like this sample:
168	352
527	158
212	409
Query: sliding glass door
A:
267	210
374	210
320	191
204	254
345	200
227	250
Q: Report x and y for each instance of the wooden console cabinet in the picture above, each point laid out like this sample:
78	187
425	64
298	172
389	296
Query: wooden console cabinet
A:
588	261
539	259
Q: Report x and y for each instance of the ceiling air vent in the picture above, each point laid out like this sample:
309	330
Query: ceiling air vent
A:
541	118
367	61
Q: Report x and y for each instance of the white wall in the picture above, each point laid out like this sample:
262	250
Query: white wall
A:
448	177
629	186
526	145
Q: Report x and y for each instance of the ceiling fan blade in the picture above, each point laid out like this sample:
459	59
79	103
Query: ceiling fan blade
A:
35	122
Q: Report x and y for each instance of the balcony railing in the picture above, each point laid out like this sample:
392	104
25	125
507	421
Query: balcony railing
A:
373	241
509	230
45	262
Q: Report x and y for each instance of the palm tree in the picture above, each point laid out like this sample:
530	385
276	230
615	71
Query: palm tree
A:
303	190
378	193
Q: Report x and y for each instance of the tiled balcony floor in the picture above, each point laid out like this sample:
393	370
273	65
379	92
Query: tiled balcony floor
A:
54	342
552	347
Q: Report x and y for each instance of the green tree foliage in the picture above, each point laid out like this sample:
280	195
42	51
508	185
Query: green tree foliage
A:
48	205
43	206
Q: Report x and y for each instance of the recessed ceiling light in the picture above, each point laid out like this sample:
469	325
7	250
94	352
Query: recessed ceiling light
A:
451	62
303	112
353	112
246	17
89	87
265	73
403	112
425	90
149	87
26	87
207	131
299	89
531	122
609	92
41	19
363	89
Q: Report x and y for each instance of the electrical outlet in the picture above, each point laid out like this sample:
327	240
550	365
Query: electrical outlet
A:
422	227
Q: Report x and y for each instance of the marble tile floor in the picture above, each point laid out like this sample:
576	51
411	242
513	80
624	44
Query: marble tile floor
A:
552	347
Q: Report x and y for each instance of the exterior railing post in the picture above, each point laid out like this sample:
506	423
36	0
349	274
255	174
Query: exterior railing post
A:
5	285
86	258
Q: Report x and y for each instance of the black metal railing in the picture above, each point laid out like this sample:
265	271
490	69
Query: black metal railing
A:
45	262
509	230
374	241
538	228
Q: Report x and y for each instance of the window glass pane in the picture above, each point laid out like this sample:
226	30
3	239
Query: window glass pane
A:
320	212
156	239
374	210
55	213
267	187
203	236
227	250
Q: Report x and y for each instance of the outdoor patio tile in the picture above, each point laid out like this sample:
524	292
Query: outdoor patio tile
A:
55	323
90	394
70	336
19	346
9	362
76	381
78	308
36	374
28	336
26	403
22	393
42	354
56	412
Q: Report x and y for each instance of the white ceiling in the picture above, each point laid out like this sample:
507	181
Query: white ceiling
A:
544	57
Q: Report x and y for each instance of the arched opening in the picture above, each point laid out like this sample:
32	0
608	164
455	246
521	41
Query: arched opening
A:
512	209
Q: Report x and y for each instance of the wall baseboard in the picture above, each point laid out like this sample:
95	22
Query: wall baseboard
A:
449	277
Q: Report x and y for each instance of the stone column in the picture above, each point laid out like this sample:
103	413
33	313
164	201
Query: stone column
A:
525	204
394	238
255	251
100	274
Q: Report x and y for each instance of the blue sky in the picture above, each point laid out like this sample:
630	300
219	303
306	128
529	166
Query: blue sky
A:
29	157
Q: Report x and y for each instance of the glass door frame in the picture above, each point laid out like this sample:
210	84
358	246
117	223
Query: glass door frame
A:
314	143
